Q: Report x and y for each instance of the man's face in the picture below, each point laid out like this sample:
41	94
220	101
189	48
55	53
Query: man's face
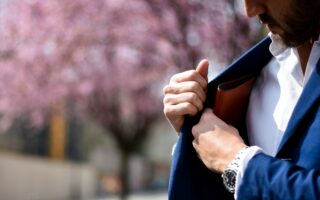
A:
295	21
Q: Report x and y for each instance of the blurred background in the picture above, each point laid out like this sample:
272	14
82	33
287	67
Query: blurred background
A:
81	90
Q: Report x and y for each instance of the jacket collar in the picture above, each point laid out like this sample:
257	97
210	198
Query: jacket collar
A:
309	99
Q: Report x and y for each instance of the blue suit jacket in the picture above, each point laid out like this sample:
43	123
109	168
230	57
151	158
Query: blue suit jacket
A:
293	174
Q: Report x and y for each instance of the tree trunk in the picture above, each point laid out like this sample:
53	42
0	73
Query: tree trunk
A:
58	132
124	174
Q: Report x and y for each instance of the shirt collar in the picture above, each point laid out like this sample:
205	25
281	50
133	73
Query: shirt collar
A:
277	46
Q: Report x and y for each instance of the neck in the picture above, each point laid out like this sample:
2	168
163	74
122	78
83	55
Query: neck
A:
304	53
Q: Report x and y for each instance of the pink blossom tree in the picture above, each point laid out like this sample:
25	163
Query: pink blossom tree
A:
108	58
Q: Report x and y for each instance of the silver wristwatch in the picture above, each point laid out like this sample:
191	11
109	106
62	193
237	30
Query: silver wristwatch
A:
229	179
230	174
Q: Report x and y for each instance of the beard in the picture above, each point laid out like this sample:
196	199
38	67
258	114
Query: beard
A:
300	25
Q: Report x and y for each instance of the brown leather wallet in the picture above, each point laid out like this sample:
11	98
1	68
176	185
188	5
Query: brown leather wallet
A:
232	99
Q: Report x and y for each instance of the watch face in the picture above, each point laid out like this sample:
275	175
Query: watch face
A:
229	179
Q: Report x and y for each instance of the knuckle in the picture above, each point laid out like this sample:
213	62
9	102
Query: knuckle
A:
170	89
175	77
193	74
193	86
187	107
200	106
193	97
197	83
165	89
192	109
166	99
194	131
172	79
194	112
169	99
204	97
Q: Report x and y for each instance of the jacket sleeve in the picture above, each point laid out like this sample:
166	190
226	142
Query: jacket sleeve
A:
271	178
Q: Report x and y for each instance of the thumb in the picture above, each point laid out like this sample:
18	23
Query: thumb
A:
202	68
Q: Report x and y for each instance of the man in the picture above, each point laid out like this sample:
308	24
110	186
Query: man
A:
281	156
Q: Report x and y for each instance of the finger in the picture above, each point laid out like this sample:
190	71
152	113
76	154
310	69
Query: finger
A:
190	86
195	145
191	75
182	109
195	133
188	97
202	68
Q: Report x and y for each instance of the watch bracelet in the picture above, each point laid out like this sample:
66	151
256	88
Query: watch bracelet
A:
233	166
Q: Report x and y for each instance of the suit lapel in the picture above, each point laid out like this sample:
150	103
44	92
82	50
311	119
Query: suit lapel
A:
308	99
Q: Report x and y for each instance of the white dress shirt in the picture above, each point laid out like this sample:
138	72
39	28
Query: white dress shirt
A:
273	99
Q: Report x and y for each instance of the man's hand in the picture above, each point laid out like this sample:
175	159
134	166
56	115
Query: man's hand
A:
216	142
185	94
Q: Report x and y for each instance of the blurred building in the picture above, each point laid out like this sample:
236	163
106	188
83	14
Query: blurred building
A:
33	178
90	168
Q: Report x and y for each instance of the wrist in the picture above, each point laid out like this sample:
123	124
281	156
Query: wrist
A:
232	155
230	173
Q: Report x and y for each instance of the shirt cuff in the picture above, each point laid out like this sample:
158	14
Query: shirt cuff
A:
243	162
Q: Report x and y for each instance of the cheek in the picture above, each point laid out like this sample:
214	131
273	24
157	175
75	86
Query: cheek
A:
301	17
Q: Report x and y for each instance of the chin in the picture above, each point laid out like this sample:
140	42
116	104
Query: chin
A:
291	40
276	30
